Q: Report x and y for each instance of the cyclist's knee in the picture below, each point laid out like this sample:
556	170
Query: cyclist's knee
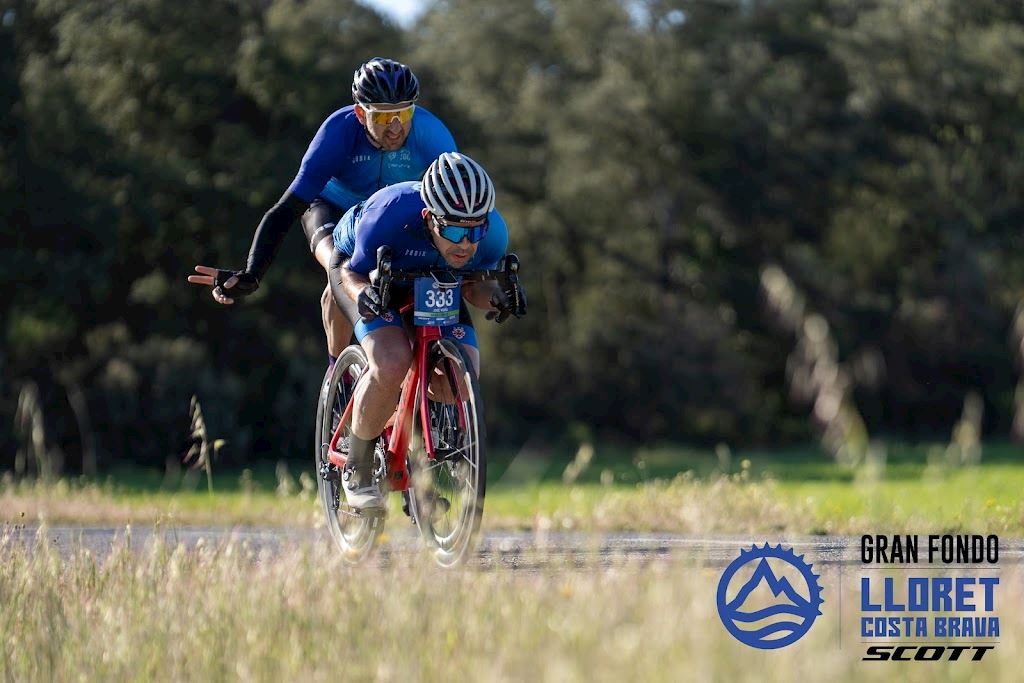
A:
389	354
391	368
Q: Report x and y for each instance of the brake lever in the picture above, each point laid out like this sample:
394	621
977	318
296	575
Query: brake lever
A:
510	278
381	277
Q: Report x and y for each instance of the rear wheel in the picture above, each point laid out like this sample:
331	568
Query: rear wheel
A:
355	533
447	498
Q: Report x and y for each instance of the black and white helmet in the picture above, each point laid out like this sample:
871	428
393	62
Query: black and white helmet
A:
457	188
384	81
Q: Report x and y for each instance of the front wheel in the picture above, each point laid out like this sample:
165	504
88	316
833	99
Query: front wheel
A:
447	493
355	533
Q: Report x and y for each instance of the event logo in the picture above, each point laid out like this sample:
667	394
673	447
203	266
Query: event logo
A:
902	615
766	611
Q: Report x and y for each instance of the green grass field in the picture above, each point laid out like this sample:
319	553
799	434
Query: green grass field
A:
227	612
655	489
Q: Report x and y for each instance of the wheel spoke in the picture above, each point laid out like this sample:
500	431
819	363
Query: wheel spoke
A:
463	453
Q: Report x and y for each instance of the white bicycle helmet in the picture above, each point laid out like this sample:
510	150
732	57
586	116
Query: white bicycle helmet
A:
457	188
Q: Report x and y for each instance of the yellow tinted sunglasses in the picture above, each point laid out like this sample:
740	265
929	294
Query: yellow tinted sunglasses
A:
384	117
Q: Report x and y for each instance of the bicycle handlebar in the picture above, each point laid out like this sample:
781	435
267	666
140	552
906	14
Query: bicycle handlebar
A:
507	274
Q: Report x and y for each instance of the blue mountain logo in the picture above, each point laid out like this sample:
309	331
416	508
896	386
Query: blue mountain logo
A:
765	588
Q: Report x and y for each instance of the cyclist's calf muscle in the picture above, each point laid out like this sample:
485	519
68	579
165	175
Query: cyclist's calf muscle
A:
336	325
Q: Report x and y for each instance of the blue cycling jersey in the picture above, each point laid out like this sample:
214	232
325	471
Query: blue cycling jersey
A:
343	167
392	216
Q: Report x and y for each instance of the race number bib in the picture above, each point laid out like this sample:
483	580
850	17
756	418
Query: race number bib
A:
437	303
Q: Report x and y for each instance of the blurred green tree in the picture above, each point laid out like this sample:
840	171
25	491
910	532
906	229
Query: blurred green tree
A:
652	156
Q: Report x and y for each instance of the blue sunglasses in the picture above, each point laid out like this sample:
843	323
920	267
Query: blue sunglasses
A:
455	233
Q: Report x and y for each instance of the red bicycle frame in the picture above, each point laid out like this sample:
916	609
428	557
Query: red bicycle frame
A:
399	432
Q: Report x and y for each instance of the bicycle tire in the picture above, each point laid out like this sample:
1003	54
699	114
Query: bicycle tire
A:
451	536
355	534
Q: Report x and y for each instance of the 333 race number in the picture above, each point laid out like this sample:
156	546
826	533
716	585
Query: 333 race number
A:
436	303
439	298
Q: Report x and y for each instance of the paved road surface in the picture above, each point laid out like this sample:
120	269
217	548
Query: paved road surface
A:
514	550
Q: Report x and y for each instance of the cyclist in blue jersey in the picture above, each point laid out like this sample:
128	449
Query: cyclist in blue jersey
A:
447	220
382	139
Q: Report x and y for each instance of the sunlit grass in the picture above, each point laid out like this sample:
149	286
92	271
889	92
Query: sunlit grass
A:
83	502
226	612
969	502
667	489
795	490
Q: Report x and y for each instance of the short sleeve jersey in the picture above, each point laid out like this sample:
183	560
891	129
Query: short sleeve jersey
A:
343	167
393	217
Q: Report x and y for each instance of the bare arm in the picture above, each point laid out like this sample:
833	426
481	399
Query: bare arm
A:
353	283
479	293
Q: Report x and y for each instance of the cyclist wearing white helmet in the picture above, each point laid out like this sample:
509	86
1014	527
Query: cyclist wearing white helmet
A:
447	220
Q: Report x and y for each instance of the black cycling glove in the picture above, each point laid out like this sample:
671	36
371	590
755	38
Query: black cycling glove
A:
246	285
510	302
369	303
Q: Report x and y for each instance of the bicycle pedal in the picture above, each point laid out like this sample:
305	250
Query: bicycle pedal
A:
330	472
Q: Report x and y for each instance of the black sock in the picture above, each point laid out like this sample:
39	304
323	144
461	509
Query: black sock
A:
360	457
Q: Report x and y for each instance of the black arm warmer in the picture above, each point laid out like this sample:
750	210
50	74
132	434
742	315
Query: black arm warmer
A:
271	231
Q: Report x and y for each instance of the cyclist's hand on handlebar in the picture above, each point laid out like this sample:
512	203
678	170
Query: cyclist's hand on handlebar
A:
228	285
512	302
500	302
369	303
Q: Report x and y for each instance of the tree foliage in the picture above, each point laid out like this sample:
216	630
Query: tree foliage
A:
652	159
